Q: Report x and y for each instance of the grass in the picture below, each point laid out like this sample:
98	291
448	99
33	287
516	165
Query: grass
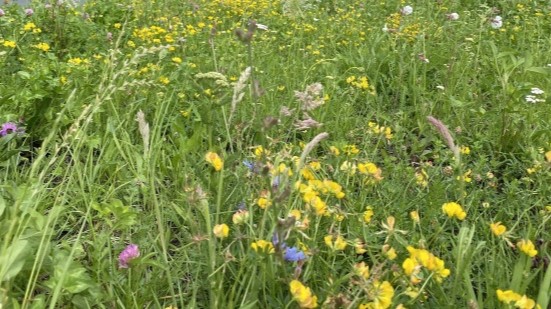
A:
293	166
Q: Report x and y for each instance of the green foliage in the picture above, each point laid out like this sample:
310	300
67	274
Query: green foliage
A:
139	123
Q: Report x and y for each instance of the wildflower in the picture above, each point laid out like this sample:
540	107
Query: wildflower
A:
261	27
348	167
527	247
8	43
293	254
43	46
336	243
350	150
29	12
453	16
381	295
422	178
465	150
548	156
240	217
497	229
389	252
334	150
496	22
533	99
536	91
406	10
2	13
419	258
221	230
362	270
177	60
264	202
303	295
359	246
521	301
368	214
129	253
214	160
263	246
7	128
29	26
453	209
414	215
164	80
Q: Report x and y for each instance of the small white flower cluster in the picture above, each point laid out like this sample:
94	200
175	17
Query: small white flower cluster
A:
535	96
496	22
406	10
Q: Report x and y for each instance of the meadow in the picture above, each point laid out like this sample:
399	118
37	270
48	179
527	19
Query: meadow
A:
275	154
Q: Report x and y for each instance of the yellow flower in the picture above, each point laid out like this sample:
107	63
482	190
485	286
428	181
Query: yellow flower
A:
177	60
43	46
453	209
368	214
336	243
350	150
527	247
389	252
381	295
414	215
548	156
214	160
362	270
521	301
263	202
221	230
465	150
335	151
240	217
262	246
164	80
29	26
422	258
497	228
8	43
303	295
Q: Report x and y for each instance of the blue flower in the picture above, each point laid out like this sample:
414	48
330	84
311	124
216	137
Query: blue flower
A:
249	165
293	254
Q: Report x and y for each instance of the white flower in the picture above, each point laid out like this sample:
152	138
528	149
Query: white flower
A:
496	22
532	99
440	87
406	10
536	91
261	27
453	16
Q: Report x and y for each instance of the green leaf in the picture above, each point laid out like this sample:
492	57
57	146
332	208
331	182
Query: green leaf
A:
13	259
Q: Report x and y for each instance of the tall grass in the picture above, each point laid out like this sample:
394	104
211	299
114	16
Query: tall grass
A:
267	154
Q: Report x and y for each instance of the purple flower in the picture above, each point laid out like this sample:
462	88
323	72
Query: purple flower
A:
2	13
129	253
29	12
293	254
249	165
7	128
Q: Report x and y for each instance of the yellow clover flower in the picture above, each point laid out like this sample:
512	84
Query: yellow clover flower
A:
214	160
453	209
527	247
303	295
221	230
498	229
